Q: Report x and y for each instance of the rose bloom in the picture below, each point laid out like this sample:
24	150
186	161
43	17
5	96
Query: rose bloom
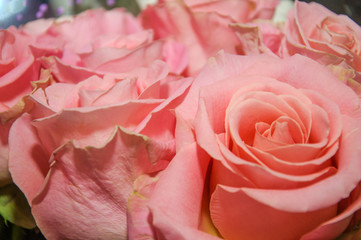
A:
77	151
314	31
102	42
95	42
267	148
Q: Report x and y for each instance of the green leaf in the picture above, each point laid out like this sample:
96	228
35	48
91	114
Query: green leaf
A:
14	207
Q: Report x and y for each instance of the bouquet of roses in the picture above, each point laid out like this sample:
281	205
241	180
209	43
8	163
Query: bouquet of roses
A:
196	119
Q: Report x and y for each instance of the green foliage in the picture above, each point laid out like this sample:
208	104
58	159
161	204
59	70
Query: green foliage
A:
15	208
130	5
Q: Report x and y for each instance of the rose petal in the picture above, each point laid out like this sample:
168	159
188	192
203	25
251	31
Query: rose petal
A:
235	220
341	184
181	208
94	183
138	222
86	125
67	73
28	160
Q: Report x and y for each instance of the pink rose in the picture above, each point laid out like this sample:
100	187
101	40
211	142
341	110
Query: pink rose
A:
111	42
77	152
105	41
204	33
314	31
264	151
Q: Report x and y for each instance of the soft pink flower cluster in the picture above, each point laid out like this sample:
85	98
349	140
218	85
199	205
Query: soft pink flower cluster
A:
197	119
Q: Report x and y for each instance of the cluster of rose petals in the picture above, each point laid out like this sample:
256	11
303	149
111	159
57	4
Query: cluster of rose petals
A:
76	154
17	68
203	25
25	51
81	102
318	33
95	42
103	41
323	35
313	31
267	152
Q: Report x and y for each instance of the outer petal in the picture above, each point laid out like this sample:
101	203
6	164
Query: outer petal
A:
239	216
138	213
28	161
176	214
332	228
86	190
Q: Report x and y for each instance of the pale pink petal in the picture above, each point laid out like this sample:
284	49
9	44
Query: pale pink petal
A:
122	91
252	41
167	228
255	220
310	15
86	190
240	11
292	167
164	113
138	213
336	225
28	161
86	125
266	178
16	83
81	30
130	41
184	133
66	73
176	55
108	60
60	96
180	209
341	184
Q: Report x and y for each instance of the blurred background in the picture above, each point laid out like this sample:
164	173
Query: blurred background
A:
17	12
